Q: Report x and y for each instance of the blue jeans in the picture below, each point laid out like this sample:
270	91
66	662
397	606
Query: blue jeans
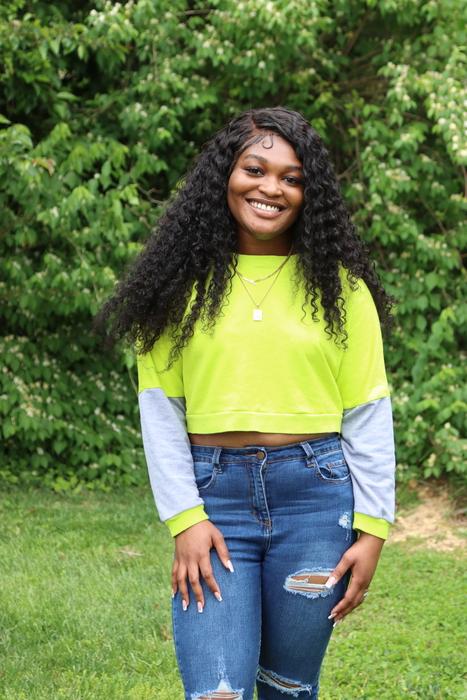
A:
286	516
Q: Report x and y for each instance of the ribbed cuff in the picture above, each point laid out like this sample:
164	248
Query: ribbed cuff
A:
186	519
374	526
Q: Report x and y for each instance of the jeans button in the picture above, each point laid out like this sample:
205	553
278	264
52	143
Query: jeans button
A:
260	454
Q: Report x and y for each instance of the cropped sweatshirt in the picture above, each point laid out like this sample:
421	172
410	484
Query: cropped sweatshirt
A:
281	374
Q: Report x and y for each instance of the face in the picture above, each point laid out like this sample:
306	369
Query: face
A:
265	195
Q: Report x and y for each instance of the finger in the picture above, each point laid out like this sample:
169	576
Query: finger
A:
352	598
337	573
207	573
182	586
222	550
174	578
193	577
346	603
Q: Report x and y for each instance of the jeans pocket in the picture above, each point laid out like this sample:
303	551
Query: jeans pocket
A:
205	474
332	467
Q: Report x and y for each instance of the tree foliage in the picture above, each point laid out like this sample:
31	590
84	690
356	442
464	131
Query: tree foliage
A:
102	107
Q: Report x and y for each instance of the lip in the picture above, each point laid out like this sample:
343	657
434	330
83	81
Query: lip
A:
262	212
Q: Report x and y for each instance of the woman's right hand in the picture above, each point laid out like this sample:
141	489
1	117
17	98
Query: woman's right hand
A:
192	556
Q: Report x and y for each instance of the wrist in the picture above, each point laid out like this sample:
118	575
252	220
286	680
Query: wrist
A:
374	540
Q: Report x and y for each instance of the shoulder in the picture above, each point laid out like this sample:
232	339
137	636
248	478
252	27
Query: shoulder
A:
358	299
353	289
160	348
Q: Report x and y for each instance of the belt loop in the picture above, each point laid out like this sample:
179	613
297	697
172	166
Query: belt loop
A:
216	456
308	451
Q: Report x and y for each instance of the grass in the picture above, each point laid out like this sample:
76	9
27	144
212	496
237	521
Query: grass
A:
82	616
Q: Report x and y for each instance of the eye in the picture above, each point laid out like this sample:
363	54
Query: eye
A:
253	170
294	181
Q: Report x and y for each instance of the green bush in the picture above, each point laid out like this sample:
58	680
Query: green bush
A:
103	106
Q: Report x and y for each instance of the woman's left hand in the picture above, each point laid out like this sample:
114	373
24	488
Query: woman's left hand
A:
362	558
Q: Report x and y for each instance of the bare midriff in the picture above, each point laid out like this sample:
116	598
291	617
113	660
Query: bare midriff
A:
241	438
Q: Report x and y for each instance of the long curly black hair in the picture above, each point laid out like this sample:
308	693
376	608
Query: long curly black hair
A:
197	234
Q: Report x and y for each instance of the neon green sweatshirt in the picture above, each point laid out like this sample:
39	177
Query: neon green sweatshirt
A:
280	374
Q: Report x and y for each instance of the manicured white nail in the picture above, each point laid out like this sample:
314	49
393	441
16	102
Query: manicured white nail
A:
173	594
184	604
218	596
200	606
330	582
336	623
230	566
331	616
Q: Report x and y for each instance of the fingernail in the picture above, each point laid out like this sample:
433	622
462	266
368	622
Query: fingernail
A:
173	594
218	596
336	623
200	607
330	582
184	604
230	566
331	616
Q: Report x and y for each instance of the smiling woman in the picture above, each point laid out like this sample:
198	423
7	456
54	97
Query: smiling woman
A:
256	316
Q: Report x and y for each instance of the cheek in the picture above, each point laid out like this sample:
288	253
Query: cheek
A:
235	184
234	203
232	189
236	189
299	199
297	205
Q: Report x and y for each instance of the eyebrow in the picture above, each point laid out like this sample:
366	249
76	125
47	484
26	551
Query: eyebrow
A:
265	160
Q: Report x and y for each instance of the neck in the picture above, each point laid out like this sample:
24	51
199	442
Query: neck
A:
264	250
252	247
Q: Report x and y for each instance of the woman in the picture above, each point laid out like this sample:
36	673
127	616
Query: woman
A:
265	409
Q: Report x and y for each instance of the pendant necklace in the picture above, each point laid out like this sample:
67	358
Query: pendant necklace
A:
257	311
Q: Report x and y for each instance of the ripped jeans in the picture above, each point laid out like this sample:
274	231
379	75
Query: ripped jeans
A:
286	516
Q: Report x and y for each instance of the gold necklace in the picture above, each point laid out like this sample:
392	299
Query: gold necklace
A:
258	312
260	279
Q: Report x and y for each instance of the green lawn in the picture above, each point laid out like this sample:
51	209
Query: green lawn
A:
81	619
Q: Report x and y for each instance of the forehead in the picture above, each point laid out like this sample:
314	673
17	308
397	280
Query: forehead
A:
272	148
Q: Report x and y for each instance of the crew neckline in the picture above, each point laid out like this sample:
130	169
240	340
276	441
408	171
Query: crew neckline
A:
261	255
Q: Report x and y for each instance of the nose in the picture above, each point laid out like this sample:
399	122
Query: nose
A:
270	187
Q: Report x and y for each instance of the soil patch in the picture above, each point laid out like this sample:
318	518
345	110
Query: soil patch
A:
432	524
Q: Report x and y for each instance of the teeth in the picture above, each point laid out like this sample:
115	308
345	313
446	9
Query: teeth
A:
265	207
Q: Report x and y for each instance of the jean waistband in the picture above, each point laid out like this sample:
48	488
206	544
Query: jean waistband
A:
259	453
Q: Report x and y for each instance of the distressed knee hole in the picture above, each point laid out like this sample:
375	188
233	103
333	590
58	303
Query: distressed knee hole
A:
223	691
288	686
309	583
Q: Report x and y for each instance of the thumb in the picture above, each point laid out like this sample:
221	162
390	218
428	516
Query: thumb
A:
222	550
337	573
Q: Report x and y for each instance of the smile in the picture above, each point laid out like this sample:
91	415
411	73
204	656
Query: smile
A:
270	210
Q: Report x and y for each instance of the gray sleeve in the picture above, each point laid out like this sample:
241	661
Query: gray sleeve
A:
367	439
167	450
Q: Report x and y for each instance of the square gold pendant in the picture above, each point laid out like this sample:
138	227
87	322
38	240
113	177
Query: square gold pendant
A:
257	315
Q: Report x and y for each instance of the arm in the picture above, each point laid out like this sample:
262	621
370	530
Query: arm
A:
169	460
367	432
165	440
170	465
367	439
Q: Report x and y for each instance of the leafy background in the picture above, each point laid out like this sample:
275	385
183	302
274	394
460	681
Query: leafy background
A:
102	107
